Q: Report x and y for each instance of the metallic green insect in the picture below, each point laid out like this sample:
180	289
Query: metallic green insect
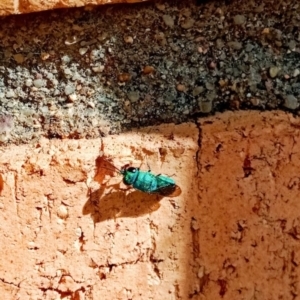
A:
148	182
143	181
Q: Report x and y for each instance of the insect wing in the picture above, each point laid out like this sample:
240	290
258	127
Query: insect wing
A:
176	192
166	186
170	191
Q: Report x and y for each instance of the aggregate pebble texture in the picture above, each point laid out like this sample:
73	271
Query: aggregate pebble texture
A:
233	233
86	72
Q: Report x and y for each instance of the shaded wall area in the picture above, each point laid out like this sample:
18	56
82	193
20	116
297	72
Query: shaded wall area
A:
249	206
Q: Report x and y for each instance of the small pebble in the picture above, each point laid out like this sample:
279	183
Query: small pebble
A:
200	273
128	39
254	101
249	47
210	86
198	90
6	124
180	87
239	20
83	51
169	21
62	212
38	83
195	225
66	59
133	96
188	23
291	102
235	45
266	31
160	6
98	69
69	89
292	45
72	97
45	55
71	40
219	44
274	71
19	58
148	70
10	94
296	72
78	231
205	106
124	77
28	82
223	83
91	104
212	65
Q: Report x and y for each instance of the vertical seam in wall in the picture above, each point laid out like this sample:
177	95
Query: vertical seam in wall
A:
198	153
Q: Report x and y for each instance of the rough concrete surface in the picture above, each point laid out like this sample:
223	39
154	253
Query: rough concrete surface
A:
81	73
233	233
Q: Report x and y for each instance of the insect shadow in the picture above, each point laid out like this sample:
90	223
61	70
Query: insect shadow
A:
119	204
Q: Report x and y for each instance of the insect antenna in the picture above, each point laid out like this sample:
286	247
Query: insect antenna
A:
111	169
104	164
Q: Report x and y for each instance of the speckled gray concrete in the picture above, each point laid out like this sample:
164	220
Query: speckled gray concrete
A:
82	73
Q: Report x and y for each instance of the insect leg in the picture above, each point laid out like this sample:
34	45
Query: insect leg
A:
145	158
149	169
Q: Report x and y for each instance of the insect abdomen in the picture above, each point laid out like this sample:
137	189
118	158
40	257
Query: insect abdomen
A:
145	182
